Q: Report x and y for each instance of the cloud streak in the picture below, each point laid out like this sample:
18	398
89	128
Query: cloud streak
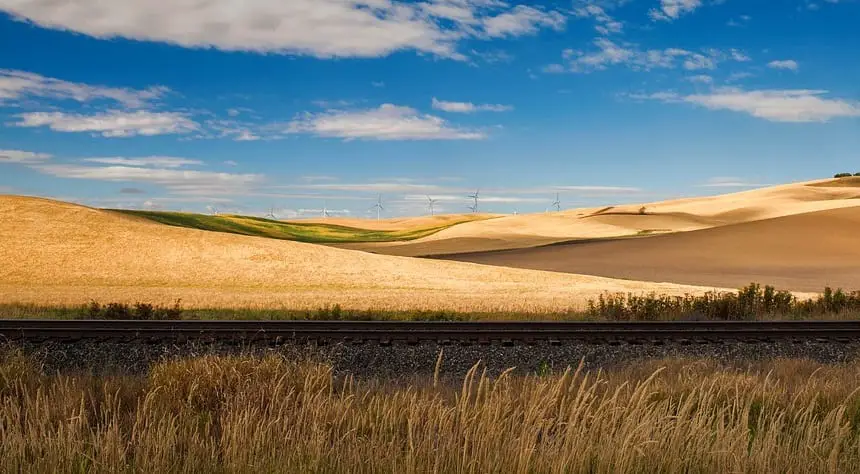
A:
113	123
20	85
468	107
20	156
776	105
387	122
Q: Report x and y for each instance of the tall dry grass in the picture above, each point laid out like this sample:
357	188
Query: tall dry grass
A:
239	414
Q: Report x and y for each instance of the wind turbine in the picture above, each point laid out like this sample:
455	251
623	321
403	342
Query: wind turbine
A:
474	207
325	212
212	210
378	205
557	203
431	202
271	214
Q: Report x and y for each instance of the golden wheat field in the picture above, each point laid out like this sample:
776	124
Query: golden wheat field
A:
240	415
57	253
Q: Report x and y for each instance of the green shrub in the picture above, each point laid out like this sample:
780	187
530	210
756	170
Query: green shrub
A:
842	175
749	303
140	311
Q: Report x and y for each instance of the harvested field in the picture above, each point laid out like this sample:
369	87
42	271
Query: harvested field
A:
803	252
679	215
57	254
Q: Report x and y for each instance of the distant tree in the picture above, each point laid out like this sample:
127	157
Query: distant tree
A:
842	175
856	174
642	210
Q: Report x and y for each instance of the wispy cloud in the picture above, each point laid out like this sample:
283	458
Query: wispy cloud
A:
20	156
670	10
149	161
20	85
730	182
620	53
468	107
522	20
701	79
787	105
322	28
788	64
604	24
178	181
387	122
114	123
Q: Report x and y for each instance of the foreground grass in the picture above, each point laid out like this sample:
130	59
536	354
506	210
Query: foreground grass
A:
240	414
747	304
274	229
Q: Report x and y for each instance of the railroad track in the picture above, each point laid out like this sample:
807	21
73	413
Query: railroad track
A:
387	332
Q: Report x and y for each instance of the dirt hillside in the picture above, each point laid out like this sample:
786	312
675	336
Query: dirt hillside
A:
803	252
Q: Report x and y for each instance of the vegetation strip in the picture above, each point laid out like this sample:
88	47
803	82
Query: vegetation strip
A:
309	232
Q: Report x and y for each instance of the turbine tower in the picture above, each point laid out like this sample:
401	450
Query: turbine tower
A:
557	203
431	202
325	212
474	197
271	214
378	206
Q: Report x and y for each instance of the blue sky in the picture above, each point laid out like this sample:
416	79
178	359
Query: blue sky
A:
234	106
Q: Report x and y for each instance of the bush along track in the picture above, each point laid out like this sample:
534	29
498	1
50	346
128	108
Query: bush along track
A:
750	303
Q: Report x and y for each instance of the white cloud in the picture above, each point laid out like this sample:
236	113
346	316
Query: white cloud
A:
18	85
229	129
522	20
697	61
468	107
19	156
465	200
598	189
729	182
611	53
791	105
788	64
701	79
231	163
739	56
153	161
673	9
179	181
606	25
387	122
112	123
387	187
322	28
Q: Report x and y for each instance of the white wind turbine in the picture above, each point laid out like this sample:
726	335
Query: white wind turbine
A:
430	203
378	206
557	203
271	214
474	197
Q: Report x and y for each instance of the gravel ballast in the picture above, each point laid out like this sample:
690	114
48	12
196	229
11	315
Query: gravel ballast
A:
405	360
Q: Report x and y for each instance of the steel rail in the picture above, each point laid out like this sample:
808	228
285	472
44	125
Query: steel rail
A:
506	332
